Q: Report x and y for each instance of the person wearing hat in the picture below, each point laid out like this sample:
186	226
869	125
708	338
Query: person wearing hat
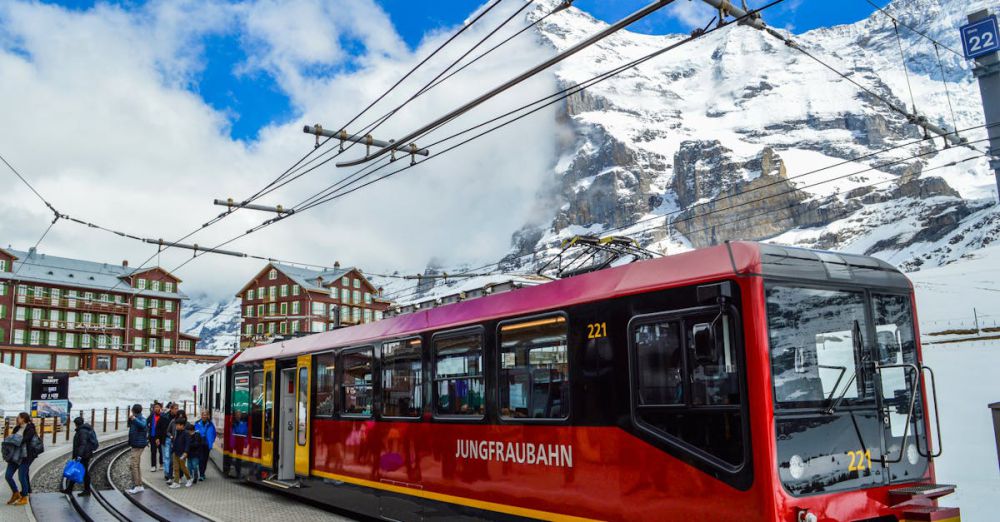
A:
84	445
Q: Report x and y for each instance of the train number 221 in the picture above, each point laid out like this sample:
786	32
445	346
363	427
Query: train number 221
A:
860	460
597	330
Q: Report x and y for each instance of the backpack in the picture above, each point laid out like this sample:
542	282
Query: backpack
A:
11	449
92	441
36	445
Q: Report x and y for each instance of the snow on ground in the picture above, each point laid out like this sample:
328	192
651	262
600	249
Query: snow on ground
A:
947	295
967	382
111	389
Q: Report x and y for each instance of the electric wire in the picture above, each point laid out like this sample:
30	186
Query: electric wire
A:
911	28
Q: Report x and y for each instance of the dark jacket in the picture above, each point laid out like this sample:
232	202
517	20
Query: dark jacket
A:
29	433
172	430
137	437
196	444
84	442
161	426
181	442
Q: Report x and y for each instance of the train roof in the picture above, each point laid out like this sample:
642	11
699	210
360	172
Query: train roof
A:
727	260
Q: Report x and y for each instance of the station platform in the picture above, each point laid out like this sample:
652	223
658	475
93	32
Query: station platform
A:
53	451
227	500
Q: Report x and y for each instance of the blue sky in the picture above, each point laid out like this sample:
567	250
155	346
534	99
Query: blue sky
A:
254	100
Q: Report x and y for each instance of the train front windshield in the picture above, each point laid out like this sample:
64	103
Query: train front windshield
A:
848	411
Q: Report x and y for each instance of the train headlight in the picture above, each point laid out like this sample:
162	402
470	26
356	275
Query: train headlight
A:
796	467
806	516
911	454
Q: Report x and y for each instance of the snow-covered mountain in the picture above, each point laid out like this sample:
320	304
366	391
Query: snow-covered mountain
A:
737	136
216	323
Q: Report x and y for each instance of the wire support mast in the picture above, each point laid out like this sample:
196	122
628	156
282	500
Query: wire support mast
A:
617	26
727	8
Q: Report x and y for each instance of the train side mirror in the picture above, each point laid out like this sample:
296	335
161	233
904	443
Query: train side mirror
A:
705	346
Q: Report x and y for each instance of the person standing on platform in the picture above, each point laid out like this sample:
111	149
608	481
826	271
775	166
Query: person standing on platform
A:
206	428
155	451
165	438
26	447
137	441
84	445
180	448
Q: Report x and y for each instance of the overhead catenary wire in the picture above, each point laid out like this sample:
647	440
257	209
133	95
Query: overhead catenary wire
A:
914	29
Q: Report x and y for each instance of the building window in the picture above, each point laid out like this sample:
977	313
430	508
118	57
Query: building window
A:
284	309
103	362
67	362
318	326
272	275
121	363
356	315
283	328
250	295
295	289
345	295
69	341
272	292
168	344
168	287
3	287
295	327
168	325
152	344
3	265
284	290
139	344
37	361
367	315
3	311
169	306
117	321
20	313
357	297
458	375
141	284
260	310
319	309
272	309
271	328
357	283
534	369
116	342
140	303
378	315
140	322
356	388
18	336
345	281
247	330
401	379
368	298
36	337
155	286
85	341
154	303
296	310
52	339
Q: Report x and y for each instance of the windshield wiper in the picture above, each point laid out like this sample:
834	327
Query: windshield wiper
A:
859	350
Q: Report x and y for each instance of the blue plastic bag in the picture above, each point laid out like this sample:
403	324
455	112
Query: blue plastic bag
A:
74	471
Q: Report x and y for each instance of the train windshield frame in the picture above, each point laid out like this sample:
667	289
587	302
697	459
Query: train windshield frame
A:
845	383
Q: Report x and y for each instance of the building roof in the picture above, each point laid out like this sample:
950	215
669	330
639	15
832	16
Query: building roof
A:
309	279
32	267
189	336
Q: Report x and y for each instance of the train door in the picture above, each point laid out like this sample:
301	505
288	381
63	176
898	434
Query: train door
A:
267	440
286	426
302	411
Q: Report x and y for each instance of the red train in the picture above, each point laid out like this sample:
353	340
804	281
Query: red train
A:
739	382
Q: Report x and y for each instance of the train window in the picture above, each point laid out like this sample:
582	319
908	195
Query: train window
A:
326	366
685	395
534	369
268	404
813	335
458	375
402	369
257	403
303	406
356	386
239	403
659	363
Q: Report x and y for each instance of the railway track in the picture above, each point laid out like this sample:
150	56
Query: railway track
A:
109	503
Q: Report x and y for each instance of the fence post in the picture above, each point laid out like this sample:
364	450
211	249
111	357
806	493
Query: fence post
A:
54	424
104	422
69	422
116	418
975	317
92	418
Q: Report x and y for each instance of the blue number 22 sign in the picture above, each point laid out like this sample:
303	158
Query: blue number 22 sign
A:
979	38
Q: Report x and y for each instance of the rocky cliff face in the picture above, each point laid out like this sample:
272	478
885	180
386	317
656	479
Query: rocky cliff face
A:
736	136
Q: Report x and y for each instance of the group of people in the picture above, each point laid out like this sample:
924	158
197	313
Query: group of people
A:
177	445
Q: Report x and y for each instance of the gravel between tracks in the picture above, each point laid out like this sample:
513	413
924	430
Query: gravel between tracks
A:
49	478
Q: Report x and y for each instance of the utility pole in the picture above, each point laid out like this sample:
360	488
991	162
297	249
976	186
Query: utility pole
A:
981	35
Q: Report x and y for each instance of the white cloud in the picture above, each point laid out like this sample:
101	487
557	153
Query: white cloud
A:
96	113
692	13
